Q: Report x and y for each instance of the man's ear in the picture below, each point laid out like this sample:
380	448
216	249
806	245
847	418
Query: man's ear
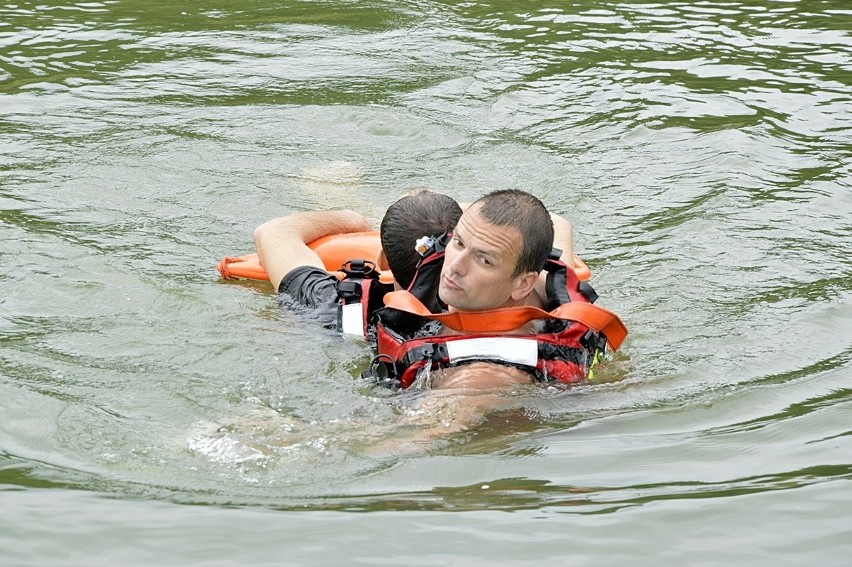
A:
382	261
524	285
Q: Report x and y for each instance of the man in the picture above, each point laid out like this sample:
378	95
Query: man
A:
490	278
497	252
297	271
494	260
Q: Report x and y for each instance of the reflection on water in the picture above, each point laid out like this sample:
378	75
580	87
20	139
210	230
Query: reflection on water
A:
421	421
702	151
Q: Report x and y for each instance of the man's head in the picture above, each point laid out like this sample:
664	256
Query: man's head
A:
420	213
499	246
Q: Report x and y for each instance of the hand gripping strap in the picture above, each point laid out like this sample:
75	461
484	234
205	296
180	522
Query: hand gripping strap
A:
505	319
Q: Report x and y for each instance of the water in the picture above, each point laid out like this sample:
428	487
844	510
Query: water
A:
150	413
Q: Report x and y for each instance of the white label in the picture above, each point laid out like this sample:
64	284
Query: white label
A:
517	351
350	316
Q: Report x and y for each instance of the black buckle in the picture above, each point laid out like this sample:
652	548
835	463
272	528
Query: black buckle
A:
382	371
358	267
593	341
349	290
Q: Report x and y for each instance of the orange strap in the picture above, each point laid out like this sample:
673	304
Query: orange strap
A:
595	318
508	318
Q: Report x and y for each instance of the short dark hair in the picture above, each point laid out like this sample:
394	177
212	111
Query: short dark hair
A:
525	213
423	213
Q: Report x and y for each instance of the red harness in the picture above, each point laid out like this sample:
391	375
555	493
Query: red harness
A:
572	332
360	293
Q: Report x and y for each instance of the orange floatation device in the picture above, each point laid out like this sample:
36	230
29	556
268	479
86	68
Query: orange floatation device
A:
506	319
336	250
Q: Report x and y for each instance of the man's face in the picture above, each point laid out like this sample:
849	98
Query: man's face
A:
478	266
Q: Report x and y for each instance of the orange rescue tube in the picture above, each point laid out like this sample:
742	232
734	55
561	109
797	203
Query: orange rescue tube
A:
335	250
242	268
581	269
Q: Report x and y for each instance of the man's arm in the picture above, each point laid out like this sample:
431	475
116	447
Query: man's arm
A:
563	238
281	243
